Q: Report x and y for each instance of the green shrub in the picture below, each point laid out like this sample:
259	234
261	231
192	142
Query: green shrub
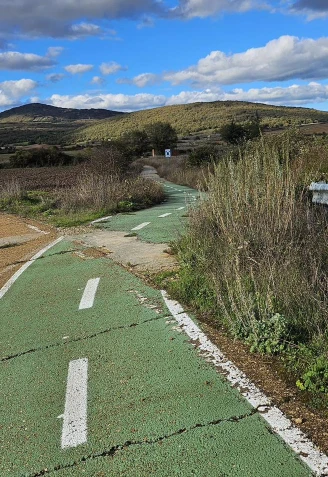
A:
43	157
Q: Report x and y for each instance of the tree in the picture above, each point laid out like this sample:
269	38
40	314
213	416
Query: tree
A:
237	133
233	133
203	155
136	142
161	136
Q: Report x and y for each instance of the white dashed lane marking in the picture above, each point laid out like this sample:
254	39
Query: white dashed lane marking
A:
89	294
141	226
165	215
74	430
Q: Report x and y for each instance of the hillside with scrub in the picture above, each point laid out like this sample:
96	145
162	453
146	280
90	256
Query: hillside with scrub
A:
196	117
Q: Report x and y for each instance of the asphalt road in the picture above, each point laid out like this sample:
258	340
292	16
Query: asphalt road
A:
98	379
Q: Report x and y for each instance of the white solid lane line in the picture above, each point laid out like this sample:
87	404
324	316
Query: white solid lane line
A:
16	275
103	219
89	294
141	226
32	227
281	425
74	430
165	215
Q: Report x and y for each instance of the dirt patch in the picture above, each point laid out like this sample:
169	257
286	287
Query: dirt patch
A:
130	251
20	239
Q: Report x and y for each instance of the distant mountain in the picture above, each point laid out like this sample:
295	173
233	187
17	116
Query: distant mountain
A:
45	113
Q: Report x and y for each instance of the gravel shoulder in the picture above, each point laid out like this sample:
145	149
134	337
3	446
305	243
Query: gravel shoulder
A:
20	239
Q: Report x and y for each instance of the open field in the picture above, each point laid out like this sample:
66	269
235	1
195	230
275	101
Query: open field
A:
44	178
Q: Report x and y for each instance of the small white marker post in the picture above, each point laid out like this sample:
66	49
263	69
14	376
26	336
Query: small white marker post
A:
141	226
74	430
89	294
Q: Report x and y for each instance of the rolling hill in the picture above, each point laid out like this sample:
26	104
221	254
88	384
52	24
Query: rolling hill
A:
38	112
199	117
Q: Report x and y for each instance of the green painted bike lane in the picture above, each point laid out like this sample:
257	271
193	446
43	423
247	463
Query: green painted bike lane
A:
154	406
158	229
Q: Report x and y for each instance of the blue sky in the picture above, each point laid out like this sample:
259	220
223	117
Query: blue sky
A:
128	55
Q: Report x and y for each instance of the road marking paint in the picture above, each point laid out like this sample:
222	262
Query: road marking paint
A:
89	294
103	219
281	425
16	275
74	430
37	229
141	226
180	208
165	215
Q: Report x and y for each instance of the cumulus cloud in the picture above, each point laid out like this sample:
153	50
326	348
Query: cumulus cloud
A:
118	102
55	77
65	18
111	68
13	91
61	18
295	95
205	8
97	80
312	8
145	79
13	60
78	69
282	59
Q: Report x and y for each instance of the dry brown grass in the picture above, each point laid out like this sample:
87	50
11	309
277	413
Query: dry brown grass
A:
257	250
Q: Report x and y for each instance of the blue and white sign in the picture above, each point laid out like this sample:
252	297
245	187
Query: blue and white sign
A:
168	153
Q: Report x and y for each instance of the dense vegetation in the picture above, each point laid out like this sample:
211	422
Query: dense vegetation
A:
42	157
197	117
255	255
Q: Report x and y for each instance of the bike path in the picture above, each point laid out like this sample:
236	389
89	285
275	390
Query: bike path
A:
164	222
143	402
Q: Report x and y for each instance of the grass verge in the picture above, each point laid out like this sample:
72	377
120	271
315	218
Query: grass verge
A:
255	257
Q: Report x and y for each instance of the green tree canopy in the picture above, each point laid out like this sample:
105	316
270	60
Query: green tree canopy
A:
234	133
161	136
136	142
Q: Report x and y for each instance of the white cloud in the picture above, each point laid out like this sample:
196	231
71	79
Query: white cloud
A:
206	8
62	18
55	77
54	51
111	68
118	102
78	69
312	8
13	91
85	29
282	59
66	18
145	79
13	60
97	80
294	95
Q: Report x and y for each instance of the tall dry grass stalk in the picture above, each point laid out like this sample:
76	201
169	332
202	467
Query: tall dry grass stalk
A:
11	190
258	246
96	190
